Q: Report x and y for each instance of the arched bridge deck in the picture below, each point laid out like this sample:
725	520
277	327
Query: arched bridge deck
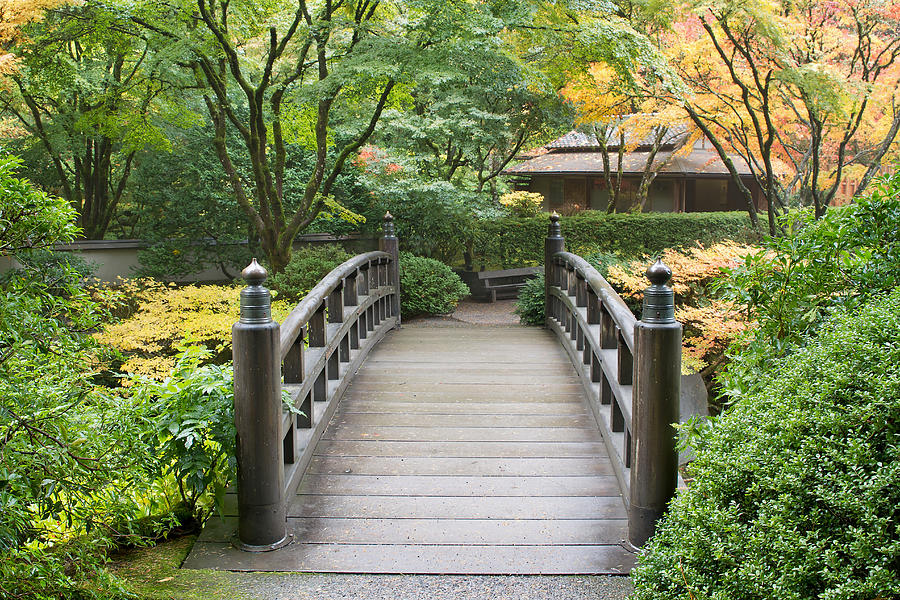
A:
454	450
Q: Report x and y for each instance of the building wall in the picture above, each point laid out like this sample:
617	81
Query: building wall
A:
567	195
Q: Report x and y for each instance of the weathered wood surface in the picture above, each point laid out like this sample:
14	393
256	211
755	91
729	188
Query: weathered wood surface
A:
455	450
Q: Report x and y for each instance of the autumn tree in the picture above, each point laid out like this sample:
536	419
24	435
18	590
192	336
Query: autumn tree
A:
801	91
622	120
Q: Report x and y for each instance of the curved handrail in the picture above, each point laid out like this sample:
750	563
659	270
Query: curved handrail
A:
293	324
617	308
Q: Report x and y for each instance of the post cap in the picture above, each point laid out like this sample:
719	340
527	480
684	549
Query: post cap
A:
256	301
659	299
254	273
658	273
554	216
388	225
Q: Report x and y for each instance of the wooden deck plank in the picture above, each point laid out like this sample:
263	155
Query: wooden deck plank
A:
494	421
361	406
445	507
461	449
451	485
458	507
455	532
461	434
497	467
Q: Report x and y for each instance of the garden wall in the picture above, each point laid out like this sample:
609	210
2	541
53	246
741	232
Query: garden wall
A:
119	258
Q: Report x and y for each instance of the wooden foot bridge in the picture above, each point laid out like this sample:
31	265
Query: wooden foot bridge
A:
453	450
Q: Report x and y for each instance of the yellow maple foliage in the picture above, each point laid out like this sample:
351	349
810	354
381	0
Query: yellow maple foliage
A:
159	318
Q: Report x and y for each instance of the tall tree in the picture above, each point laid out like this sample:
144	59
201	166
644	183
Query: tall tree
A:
620	119
314	73
80	88
472	118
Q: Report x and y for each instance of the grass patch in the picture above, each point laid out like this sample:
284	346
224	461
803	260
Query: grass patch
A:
153	574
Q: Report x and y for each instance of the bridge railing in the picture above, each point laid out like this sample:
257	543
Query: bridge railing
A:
313	355
630	369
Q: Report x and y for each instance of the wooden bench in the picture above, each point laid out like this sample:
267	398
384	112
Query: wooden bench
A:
506	283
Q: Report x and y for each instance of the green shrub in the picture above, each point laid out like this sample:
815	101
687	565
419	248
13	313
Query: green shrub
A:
428	286
792	286
530	303
510	241
796	490
308	265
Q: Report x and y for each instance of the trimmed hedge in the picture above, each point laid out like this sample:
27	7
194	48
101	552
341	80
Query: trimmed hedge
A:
796	491
512	242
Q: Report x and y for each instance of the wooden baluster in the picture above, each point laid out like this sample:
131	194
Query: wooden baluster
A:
336	305
305	420
588	349
626	361
607	329
350	294
581	298
362	328
596	368
344	348
362	282
606	395
316	328
317	339
294	369
571	280
333	367
593	307
354	334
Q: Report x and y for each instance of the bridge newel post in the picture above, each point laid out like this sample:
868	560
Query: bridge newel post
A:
553	243
257	417
656	393
390	244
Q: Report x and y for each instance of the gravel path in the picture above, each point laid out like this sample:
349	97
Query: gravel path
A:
295	586
469	312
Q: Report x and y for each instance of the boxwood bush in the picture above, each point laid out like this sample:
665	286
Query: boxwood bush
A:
530	303
428	286
306	268
796	490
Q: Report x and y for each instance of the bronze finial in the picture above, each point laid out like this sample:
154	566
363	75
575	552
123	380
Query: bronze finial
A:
256	300
659	299
388	225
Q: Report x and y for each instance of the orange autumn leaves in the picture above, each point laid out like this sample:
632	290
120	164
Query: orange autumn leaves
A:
710	324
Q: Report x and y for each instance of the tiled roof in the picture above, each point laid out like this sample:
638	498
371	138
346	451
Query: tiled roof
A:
698	162
586	139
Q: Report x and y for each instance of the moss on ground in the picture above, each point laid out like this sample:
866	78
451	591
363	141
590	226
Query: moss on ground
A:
153	574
